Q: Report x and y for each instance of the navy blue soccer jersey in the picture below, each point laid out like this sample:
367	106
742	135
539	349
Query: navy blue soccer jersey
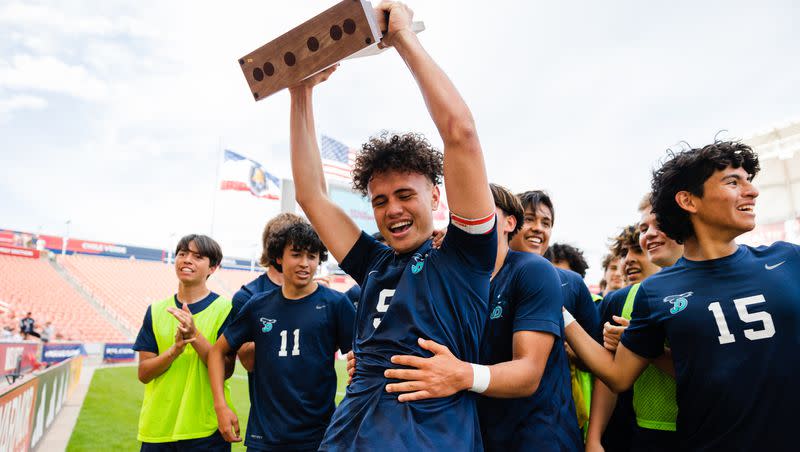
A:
579	302
438	294
525	295
733	325
295	380
256	286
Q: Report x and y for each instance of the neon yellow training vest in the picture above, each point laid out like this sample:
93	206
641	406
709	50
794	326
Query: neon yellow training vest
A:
178	404
654	399
582	387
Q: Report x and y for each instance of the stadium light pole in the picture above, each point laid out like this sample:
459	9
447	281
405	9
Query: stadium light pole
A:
66	238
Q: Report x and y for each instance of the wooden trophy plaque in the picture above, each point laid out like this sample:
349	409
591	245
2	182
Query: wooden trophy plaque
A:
324	40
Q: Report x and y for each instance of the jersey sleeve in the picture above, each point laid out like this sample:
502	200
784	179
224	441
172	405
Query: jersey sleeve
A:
146	339
239	299
475	250
361	256
240	330
540	299
645	335
344	314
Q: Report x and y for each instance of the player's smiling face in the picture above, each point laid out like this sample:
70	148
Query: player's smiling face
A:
299	266
534	236
728	203
191	267
403	205
661	250
636	267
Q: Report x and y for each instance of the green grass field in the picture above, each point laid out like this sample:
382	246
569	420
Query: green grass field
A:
110	414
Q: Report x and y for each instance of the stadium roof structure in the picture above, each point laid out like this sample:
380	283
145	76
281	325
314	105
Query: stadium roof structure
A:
778	205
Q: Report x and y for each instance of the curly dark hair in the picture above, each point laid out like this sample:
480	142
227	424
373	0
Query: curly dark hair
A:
687	171
407	153
301	236
573	256
277	222
627	239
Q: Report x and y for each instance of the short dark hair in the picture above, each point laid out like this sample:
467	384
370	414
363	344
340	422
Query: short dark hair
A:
532	198
572	255
627	239
206	247
509	204
687	171
407	153
301	236
277	222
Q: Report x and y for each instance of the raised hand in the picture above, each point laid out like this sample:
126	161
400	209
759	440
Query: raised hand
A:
313	80
185	320
400	16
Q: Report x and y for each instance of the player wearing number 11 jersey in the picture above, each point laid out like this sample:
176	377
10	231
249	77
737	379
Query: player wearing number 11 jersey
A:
730	313
296	329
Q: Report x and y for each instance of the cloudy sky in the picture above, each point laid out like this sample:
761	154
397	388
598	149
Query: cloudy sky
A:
113	114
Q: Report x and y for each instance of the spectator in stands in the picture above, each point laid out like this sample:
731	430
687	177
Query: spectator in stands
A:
48	332
567	257
178	408
27	326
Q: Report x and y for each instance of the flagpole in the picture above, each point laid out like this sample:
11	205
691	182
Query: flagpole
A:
216	186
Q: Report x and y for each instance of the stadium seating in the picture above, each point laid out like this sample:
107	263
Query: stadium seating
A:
34	285
126	287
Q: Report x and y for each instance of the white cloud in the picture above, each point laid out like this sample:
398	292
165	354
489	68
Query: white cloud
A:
21	102
46	73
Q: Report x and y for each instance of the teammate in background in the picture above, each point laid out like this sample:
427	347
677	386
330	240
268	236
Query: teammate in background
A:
409	290
612	274
730	313
296	329
654	404
567	257
534	237
177	410
528	400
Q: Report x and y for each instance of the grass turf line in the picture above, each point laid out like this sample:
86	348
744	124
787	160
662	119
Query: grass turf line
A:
109	417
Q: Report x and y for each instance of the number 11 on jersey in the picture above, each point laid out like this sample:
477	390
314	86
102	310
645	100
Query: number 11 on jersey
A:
295	349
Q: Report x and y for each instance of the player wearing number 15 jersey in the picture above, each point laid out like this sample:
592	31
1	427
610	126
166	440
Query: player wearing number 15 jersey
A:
296	329
730	313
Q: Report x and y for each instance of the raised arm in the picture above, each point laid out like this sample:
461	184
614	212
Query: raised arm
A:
337	231
618	371
465	178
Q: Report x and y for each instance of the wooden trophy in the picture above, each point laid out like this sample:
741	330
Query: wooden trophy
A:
348	29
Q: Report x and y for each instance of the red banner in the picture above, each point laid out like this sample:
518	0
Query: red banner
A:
21	252
16	416
12	352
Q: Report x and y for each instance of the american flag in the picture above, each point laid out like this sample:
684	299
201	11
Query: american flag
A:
337	159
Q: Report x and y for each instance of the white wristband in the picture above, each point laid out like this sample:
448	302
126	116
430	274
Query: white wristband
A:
568	318
480	378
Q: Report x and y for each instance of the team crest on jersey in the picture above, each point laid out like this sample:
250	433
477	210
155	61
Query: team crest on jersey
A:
419	262
679	302
497	310
267	324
